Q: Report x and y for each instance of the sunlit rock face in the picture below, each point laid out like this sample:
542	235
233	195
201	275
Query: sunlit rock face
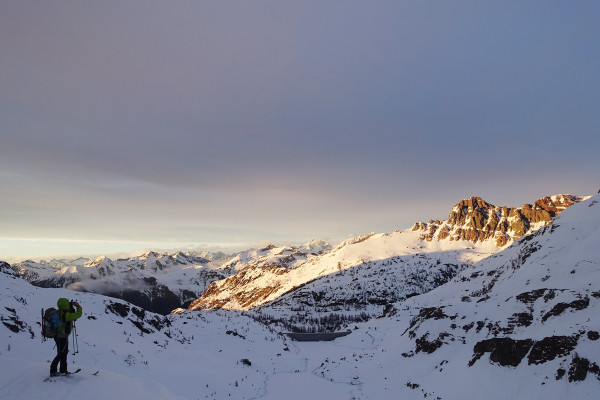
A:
476	220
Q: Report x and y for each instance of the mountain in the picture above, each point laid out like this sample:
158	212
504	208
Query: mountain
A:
271	255
156	282
520	323
476	220
360	277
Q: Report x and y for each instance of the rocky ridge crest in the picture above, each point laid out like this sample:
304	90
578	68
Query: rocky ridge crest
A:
476	220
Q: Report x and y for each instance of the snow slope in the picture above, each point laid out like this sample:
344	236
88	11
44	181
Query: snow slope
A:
520	324
197	355
259	284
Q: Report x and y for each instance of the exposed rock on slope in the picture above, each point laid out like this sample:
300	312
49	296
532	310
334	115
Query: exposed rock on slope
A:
476	220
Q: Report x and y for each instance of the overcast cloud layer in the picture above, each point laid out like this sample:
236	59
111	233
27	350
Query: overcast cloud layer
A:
242	122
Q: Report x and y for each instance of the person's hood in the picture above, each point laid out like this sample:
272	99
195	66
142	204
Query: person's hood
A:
63	304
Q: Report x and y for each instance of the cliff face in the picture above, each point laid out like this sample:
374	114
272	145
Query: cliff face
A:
476	220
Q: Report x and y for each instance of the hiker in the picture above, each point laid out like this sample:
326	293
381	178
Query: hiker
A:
68	314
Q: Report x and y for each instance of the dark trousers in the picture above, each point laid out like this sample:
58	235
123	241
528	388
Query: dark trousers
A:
62	351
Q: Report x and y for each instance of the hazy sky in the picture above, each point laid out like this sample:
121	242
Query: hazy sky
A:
135	124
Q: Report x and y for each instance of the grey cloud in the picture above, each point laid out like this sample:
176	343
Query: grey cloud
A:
141	121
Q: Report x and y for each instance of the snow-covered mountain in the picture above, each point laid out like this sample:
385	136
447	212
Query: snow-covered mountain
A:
360	277
271	255
476	220
521	323
156	282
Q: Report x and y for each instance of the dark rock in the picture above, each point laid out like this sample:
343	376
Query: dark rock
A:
234	333
150	280
388	311
468	327
5	268
551	347
550	295
12	327
561	307
560	373
247	362
158	299
531	297
140	326
139	312
428	313
593	335
521	319
480	325
426	346
118	309
578	369
503	351
158	322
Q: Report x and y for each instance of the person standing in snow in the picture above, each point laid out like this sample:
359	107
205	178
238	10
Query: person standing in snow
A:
69	312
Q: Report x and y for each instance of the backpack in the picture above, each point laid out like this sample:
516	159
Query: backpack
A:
51	321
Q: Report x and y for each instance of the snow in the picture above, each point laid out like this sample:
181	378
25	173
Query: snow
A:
202	354
373	250
22	381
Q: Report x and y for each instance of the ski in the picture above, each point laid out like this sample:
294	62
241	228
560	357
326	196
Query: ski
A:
49	379
74	372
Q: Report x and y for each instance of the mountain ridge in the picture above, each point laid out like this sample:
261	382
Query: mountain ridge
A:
474	219
264	280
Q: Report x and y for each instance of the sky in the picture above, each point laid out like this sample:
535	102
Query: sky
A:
128	125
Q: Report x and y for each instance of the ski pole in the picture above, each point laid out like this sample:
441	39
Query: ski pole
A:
75	342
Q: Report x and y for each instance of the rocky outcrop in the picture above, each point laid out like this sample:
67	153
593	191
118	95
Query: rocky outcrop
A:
476	220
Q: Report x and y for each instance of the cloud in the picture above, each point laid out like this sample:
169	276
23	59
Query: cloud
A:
111	285
246	122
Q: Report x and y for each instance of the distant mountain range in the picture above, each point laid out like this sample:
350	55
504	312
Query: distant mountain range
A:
153	281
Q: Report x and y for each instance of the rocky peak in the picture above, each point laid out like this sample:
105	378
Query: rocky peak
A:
96	262
7	269
476	220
